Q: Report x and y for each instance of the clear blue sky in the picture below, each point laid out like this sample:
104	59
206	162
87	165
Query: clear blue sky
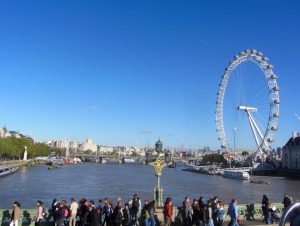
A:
124	72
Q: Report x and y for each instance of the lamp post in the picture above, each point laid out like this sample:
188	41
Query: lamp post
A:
234	150
158	165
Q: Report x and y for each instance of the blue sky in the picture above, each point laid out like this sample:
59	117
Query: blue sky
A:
128	72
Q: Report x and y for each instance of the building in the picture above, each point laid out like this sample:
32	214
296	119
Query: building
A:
291	153
61	144
88	145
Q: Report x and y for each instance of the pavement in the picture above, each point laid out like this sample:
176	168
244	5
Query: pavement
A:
256	223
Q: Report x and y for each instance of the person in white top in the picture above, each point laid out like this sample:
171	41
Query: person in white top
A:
73	212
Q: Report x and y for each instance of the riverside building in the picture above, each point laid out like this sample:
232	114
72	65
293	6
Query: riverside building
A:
291	153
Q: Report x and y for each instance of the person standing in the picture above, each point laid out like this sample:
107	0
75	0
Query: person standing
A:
168	212
135	207
152	213
39	213
61	214
233	213
220	214
73	212
264	207
287	201
126	215
15	214
209	212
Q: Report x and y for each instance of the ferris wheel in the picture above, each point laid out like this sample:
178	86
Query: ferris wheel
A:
247	106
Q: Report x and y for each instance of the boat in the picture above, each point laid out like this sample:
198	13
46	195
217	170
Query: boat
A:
236	174
260	182
128	160
5	171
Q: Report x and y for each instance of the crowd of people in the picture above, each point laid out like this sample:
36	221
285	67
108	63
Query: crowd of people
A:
103	213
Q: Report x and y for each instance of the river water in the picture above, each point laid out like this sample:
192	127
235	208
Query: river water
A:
95	181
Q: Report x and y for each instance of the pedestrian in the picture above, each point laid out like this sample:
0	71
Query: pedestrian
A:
287	201
168	212
187	212
83	212
197	214
264	207
117	216
209	218
151	209
73	212
54	211
126	215
39	213
233	213
146	214
135	207
61	214
94	215
15	214
220	214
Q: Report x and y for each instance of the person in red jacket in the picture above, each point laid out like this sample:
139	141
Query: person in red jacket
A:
168	211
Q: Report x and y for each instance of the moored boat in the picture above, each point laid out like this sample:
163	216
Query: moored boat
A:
5	171
236	174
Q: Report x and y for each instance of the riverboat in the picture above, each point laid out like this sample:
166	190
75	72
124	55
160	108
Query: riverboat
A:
236	174
5	171
128	160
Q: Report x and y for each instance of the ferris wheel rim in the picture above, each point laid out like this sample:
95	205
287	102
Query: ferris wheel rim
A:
267	69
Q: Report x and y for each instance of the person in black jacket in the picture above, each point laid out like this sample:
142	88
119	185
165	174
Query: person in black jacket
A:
126	215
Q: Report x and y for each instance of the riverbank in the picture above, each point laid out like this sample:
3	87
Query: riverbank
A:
20	163
249	215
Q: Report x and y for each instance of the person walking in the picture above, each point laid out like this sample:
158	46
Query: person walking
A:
15	214
39	213
73	212
233	213
168	212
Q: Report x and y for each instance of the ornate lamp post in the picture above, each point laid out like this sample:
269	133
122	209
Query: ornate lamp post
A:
158	165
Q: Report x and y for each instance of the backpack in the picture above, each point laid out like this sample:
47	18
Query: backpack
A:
136	203
66	212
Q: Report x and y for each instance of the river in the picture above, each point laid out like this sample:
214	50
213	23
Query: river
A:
95	181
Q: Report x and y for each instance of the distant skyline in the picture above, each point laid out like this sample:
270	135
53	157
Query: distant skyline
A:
128	72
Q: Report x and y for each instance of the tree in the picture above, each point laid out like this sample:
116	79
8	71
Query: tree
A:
245	153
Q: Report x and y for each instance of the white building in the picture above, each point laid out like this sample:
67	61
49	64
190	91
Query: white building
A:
291	153
73	145
61	144
88	145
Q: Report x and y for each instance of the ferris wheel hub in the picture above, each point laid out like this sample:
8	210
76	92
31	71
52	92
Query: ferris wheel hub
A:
247	108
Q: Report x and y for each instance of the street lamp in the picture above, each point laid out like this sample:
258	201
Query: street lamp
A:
158	165
234	150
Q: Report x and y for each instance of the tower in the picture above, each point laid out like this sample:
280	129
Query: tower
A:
159	146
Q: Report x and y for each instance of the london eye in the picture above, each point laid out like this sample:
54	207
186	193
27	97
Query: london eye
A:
247	106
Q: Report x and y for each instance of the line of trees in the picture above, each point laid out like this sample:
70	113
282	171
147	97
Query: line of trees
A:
13	148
